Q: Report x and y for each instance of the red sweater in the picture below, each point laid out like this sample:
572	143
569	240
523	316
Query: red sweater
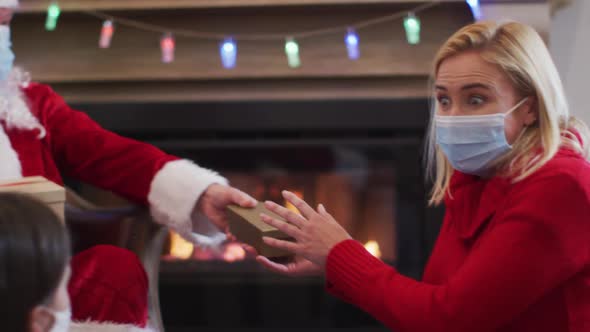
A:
509	257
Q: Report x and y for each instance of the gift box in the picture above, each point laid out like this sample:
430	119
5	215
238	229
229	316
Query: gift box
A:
248	227
42	189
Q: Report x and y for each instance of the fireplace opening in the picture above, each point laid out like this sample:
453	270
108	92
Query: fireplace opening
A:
360	196
361	159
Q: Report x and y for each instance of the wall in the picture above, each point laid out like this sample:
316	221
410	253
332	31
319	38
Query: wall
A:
570	47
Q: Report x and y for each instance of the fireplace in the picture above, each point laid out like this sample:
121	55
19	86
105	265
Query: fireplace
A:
360	158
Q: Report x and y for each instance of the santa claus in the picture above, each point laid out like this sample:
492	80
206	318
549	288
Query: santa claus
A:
41	135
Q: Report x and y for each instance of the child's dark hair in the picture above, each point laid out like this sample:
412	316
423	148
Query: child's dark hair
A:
34	251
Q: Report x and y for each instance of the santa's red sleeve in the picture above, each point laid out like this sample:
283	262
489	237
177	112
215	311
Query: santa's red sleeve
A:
132	169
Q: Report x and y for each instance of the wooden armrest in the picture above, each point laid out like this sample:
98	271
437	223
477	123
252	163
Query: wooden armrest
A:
79	209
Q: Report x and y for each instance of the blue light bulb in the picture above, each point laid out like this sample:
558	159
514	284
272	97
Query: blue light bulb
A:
229	53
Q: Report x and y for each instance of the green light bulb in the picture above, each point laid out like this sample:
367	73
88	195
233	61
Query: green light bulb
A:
412	26
292	51
53	12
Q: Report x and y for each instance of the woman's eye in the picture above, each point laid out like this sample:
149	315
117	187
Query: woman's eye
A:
444	101
476	100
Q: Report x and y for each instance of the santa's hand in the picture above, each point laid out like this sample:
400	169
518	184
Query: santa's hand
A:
216	198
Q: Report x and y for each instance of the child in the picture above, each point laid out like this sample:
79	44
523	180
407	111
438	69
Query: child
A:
35	271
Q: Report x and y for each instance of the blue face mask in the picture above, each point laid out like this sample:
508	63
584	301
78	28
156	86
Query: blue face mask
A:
473	142
6	54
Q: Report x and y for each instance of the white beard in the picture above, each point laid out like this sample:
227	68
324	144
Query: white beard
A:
14	109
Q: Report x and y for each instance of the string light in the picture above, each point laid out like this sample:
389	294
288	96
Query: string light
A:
352	44
106	34
412	27
228	46
168	45
292	51
53	12
475	9
228	50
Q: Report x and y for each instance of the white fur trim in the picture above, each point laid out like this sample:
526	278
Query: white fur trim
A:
9	3
10	167
174	192
14	108
105	327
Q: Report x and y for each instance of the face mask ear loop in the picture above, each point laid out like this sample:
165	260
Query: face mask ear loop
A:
512	110
516	106
62	320
522	131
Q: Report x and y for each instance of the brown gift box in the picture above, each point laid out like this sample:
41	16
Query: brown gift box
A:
39	187
246	225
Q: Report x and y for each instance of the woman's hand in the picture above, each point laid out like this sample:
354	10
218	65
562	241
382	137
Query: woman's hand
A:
298	267
315	232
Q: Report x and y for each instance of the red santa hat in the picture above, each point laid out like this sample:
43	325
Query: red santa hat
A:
8	3
109	287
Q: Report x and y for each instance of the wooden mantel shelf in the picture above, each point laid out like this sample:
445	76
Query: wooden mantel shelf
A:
32	6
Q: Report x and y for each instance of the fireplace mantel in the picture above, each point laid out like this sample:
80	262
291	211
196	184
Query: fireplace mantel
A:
130	71
77	5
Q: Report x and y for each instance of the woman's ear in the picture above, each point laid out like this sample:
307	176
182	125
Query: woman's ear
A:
531	114
41	320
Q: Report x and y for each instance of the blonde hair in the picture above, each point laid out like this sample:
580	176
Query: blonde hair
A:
521	54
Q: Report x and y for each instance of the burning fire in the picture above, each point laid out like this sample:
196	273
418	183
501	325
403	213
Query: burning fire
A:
179	247
373	248
234	252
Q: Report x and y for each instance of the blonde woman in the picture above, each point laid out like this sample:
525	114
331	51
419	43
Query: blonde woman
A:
509	163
